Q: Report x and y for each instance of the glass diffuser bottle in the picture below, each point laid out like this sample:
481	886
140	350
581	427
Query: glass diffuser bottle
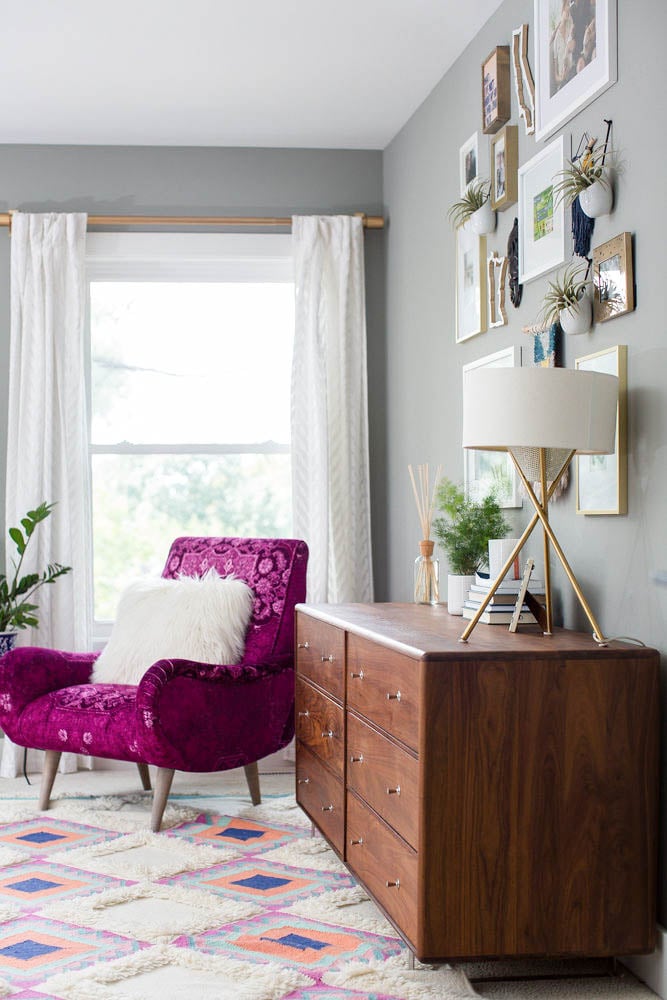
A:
427	574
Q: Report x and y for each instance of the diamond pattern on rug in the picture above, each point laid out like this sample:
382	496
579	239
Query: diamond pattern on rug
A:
30	885
146	855
43	835
236	832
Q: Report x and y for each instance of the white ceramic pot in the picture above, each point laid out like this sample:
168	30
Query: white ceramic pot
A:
597	199
457	592
577	319
483	221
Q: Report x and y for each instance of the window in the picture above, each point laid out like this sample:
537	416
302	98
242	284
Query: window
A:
190	357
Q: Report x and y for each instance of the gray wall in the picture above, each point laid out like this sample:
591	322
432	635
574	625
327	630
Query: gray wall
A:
194	181
613	557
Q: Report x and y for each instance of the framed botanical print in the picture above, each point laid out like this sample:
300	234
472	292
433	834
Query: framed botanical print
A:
541	214
486	470
575	58
470	283
504	167
496	95
468	162
602	480
613	278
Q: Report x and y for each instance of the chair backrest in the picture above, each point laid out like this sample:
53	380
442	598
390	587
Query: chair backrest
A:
275	570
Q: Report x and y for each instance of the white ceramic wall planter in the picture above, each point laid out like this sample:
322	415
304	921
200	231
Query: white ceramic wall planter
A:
578	318
483	221
597	199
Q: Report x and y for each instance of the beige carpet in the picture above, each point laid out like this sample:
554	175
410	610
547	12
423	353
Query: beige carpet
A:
573	980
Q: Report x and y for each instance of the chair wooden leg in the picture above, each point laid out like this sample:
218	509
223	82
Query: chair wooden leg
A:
252	777
163	780
144	774
51	761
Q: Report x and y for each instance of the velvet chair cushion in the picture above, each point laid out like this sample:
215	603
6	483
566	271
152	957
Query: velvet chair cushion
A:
194	618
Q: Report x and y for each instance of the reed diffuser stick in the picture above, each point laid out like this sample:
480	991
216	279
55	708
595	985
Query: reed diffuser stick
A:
426	572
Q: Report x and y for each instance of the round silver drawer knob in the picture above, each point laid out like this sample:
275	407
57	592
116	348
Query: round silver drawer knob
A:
394	885
394	697
327	734
354	843
327	809
394	791
327	659
303	645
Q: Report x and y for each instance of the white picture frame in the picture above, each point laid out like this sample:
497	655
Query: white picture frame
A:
541	214
468	162
470	283
602	480
484	469
575	59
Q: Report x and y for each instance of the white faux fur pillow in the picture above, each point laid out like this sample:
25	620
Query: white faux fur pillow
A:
192	618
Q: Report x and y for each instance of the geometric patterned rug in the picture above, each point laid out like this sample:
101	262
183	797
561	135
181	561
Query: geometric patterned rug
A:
215	907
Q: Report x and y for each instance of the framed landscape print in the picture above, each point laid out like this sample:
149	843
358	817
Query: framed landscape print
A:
541	220
485	470
468	162
470	283
575	58
613	278
504	166
602	480
496	94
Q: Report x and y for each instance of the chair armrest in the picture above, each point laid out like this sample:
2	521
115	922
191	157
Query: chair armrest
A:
28	672
164	671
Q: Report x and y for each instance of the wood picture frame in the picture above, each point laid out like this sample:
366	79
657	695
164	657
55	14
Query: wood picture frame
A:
487	470
468	162
541	214
496	95
524	85
470	283
613	277
496	280
602	480
504	168
575	58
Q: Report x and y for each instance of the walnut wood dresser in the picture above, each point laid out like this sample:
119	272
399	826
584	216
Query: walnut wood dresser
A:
497	797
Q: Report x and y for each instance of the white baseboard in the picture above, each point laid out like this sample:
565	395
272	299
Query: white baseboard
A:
652	969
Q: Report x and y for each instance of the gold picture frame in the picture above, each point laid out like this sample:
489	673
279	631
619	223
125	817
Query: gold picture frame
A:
504	168
602	480
613	276
496	93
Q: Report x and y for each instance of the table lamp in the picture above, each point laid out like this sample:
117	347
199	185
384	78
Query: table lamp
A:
541	417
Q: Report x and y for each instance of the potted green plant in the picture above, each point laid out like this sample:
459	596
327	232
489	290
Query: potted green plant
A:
463	532
17	607
589	180
474	205
568	301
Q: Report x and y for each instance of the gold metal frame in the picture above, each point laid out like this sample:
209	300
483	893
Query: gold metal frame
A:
621	440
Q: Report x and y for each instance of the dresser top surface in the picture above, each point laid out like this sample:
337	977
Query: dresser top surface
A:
432	633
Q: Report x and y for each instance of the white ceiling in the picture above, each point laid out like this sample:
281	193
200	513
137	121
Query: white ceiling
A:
320	73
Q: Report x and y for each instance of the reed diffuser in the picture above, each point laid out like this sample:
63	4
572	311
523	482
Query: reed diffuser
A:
427	569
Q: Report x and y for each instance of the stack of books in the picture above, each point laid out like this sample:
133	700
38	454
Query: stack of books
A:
500	609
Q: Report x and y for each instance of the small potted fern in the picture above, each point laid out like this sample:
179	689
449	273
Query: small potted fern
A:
568	301
474	206
589	180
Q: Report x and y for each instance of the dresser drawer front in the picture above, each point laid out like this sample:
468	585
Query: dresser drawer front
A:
384	864
384	776
320	653
321	796
320	725
383	686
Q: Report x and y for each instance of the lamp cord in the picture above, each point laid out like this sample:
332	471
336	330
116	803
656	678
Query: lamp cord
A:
618	638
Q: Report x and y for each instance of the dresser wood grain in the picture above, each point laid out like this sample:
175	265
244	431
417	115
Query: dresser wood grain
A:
526	821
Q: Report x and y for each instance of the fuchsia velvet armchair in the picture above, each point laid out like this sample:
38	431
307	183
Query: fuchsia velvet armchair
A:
182	715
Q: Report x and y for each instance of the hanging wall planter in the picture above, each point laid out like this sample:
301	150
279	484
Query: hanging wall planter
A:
483	221
568	301
597	199
577	318
474	206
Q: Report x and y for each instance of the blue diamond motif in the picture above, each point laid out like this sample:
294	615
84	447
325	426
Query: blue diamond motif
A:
33	885
27	949
297	941
262	882
240	834
41	837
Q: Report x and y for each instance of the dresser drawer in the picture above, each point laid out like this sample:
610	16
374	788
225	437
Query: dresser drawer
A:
320	653
384	864
383	686
321	796
385	776
320	725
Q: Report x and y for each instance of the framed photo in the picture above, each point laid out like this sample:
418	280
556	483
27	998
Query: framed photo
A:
613	277
575	58
469	162
541	220
497	278
470	283
602	480
523	78
504	167
484	470
496	96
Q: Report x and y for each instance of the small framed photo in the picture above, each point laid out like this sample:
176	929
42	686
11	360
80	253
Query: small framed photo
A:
504	167
486	470
470	283
575	58
541	220
602	480
468	162
496	95
614	278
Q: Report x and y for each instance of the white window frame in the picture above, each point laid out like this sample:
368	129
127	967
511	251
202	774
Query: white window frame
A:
187	257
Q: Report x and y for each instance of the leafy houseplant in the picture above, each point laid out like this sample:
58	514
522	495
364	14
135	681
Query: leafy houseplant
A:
476	198
566	301
17	610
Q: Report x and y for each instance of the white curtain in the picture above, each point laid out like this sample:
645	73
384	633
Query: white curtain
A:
331	496
47	452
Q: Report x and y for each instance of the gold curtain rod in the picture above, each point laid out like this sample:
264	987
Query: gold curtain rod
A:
369	221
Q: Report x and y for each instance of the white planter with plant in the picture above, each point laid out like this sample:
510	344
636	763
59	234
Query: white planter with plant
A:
464	532
589	180
474	206
568	301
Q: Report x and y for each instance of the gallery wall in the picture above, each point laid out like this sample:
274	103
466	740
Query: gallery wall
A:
614	557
